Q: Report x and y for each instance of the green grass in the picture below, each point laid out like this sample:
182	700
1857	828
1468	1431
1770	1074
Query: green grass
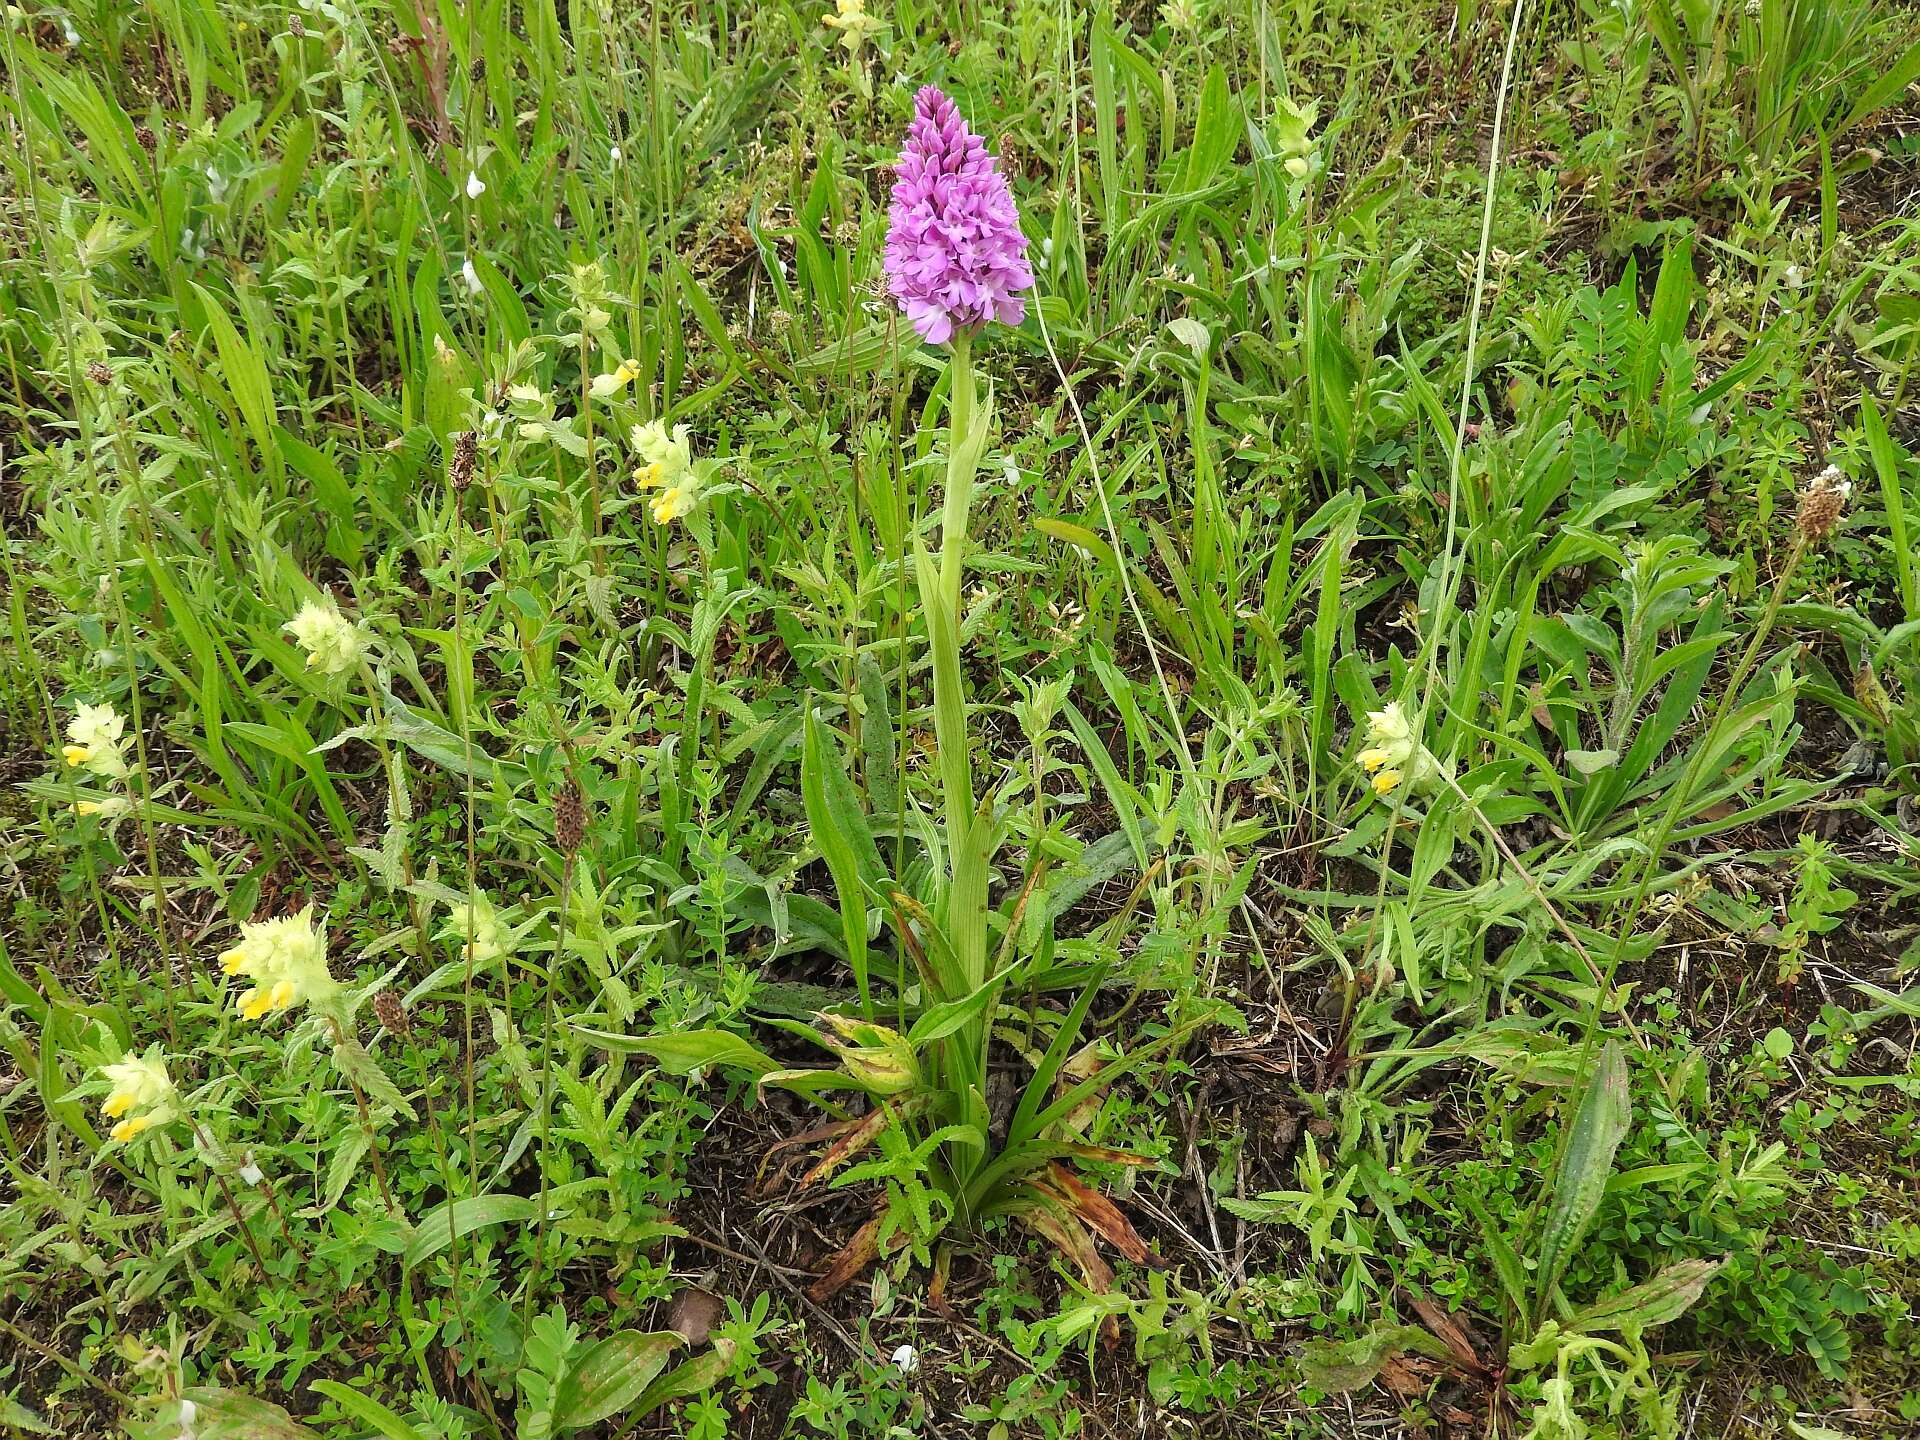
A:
912	943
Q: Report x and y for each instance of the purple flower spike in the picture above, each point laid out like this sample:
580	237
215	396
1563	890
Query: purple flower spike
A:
955	255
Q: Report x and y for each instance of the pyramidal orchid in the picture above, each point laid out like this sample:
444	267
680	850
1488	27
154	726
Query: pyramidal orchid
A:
956	261
956	257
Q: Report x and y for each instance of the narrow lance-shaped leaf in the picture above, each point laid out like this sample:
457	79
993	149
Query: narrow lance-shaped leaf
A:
840	831
1599	1125
367	1411
1666	1297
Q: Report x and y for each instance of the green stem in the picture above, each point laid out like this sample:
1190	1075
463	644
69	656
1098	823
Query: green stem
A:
949	687
963	1058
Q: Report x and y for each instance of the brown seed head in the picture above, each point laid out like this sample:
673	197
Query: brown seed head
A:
569	817
388	1010
466	449
148	140
98	373
1821	505
296	27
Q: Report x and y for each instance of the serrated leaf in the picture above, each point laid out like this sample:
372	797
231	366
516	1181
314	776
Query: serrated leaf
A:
347	1156
16	1416
353	1061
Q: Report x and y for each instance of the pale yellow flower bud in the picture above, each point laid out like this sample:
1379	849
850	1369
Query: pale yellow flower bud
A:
334	644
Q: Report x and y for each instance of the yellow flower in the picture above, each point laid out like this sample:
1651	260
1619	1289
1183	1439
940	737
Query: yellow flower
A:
142	1095
673	502
287	961
856	27
667	462
111	808
1389	726
334	644
95	740
666	453
604	387
478	926
1394	755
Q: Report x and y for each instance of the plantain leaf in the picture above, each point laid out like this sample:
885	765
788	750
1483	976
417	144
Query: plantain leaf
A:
703	1372
1335	1366
366	1410
610	1375
229	1415
840	831
1667	1296
1599	1125
437	1228
684	1052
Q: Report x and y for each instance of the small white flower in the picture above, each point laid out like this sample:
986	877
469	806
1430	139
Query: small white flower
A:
906	1359
470	275
476	187
614	154
252	1173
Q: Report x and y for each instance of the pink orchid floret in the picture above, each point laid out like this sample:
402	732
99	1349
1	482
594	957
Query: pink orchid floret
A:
956	257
